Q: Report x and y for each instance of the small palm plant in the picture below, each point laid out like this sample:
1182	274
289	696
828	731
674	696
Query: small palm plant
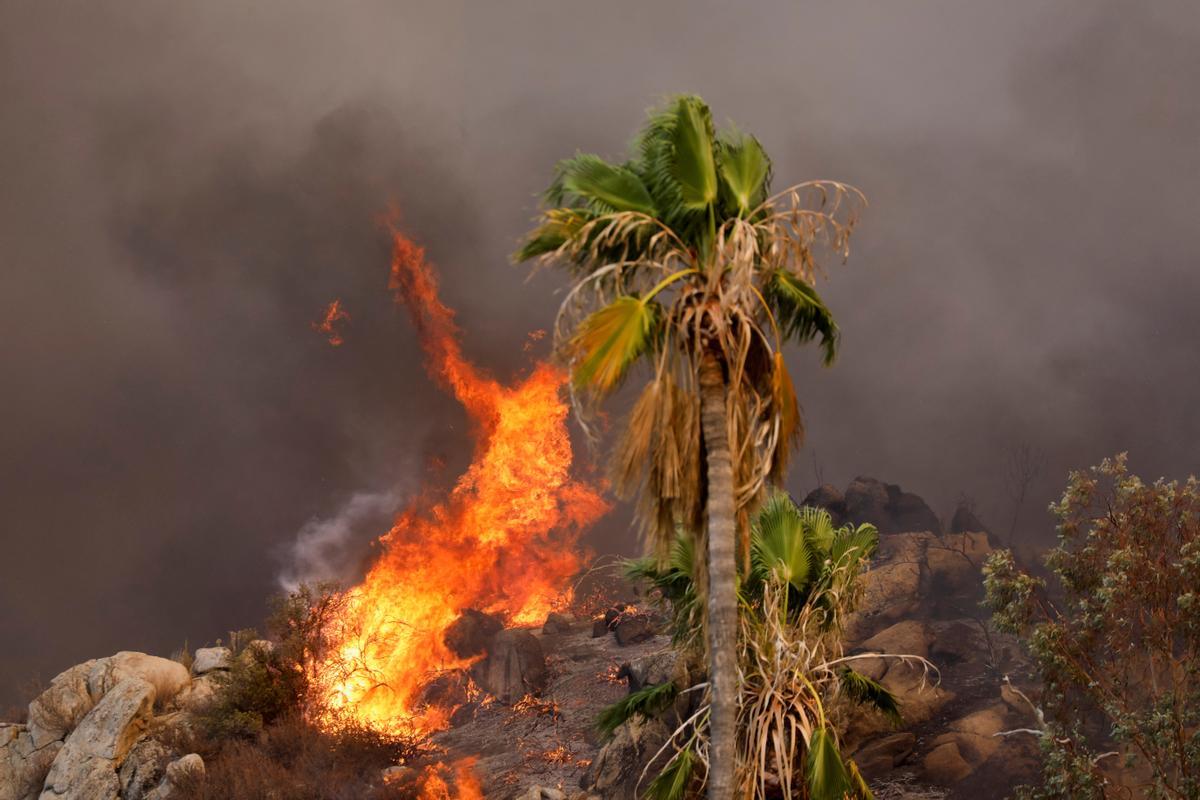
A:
683	260
800	583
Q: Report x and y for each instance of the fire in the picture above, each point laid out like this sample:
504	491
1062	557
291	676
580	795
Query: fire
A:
502	541
334	314
434	785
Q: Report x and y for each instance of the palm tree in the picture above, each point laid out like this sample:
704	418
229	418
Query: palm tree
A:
683	260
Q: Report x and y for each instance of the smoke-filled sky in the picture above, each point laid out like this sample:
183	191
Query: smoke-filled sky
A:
183	187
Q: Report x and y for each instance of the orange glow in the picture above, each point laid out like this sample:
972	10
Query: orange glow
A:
434	785
333	314
503	540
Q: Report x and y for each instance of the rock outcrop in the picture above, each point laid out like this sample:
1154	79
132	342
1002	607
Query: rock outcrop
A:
85	738
884	505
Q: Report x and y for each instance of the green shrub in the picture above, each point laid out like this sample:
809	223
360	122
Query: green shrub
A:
268	682
1117	640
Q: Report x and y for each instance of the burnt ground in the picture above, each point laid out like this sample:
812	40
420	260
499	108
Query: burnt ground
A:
549	741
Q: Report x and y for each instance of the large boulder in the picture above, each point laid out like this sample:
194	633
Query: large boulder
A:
514	667
56	711
617	769
210	659
633	629
945	765
890	593
830	498
143	769
888	507
178	772
168	677
880	756
86	767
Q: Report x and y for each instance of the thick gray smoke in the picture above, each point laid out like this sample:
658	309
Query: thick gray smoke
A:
186	186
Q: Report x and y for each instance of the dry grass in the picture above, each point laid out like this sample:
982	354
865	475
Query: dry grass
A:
292	760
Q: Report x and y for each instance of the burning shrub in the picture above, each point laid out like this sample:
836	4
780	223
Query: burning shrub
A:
265	733
800	583
1119	646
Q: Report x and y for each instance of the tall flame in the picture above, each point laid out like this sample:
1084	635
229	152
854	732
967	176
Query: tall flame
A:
503	541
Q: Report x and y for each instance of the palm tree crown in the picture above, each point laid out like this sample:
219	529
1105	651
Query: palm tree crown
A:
677	250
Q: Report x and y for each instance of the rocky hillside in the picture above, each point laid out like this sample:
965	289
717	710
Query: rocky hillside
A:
88	735
525	712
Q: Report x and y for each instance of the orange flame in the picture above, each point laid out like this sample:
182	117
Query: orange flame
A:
503	541
333	314
434	786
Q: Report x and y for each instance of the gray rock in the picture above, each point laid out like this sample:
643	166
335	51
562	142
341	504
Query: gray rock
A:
883	755
617	768
831	499
55	712
515	666
653	669
599	627
178	771
888	507
191	764
167	677
208	659
199	693
143	769
945	766
23	766
633	629
86	766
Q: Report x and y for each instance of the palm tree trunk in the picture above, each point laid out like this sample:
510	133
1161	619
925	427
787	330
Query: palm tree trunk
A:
722	577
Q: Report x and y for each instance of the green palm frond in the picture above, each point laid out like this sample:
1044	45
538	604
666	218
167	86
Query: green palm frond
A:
649	701
864	691
606	186
676	584
860	543
862	791
778	544
745	171
558	227
611	339
818	528
672	783
826	773
695	166
800	312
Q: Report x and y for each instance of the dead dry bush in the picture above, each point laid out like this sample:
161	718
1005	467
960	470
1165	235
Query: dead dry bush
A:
294	760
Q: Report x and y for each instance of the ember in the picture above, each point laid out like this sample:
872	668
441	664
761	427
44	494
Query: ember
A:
334	314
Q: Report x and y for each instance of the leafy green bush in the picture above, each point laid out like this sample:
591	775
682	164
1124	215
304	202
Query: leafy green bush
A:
800	582
269	680
1117	642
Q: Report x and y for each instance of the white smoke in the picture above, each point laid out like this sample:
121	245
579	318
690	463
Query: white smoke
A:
333	548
